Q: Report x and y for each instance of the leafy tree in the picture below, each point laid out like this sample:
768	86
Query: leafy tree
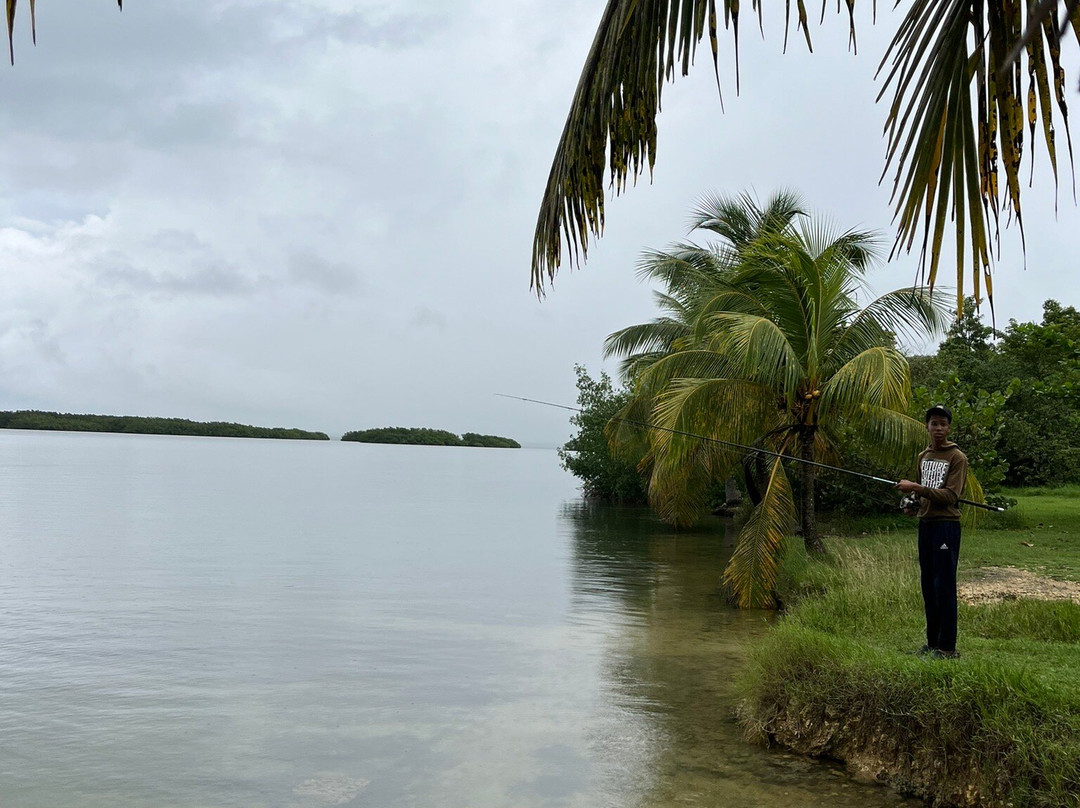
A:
587	454
779	356
956	72
1041	437
979	418
1036	367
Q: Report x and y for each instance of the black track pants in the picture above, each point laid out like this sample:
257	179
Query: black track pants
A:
939	551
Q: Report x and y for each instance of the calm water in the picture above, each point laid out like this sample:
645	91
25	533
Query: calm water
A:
198	622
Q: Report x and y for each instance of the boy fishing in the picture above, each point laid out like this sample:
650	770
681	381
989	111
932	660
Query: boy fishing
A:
935	499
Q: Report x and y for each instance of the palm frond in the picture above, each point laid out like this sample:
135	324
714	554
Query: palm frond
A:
945	152
889	438
658	335
741	220
913	313
613	115
682	266
692	363
679	490
733	410
751	573
635	366
878	376
11	6
691	417
942	145
973	490
757	348
628	433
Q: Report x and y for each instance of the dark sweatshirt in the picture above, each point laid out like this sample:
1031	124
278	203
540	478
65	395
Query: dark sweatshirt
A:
942	474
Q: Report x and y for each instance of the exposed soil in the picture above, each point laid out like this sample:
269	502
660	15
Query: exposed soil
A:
892	758
996	584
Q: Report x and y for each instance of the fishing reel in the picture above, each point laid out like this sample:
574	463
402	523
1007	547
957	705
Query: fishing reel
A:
910	505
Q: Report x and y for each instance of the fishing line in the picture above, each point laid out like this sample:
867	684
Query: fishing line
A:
742	446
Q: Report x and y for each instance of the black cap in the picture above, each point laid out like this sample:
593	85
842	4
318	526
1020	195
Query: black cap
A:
938	409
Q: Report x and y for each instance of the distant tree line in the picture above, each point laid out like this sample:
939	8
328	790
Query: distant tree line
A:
67	422
420	436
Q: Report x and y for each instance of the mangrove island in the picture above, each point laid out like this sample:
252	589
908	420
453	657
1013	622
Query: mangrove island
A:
138	425
419	436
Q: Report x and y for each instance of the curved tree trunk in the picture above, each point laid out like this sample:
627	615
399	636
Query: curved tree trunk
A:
811	540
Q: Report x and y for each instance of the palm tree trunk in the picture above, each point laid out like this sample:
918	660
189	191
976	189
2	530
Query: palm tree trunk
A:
811	541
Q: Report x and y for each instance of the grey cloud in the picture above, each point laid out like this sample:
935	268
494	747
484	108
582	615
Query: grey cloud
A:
171	240
28	348
31	164
309	269
207	278
424	317
400	31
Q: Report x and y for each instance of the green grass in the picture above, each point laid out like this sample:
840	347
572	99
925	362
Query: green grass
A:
1041	534
836	677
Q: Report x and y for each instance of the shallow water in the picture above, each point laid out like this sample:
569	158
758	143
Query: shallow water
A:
198	622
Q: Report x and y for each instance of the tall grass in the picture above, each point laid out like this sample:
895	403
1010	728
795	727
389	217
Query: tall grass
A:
836	677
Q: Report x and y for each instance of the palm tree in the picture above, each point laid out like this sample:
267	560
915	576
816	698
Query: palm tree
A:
689	273
956	70
771	349
11	6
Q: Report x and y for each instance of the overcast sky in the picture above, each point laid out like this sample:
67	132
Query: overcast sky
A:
319	213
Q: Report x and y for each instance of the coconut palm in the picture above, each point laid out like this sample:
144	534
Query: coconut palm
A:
771	350
690	273
956	69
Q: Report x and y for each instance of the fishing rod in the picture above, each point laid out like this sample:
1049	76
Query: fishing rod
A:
745	448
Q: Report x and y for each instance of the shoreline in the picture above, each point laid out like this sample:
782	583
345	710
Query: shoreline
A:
836	679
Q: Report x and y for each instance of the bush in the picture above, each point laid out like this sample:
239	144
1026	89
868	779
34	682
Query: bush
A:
588	456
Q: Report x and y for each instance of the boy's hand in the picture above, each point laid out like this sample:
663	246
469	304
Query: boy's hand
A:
910	505
907	486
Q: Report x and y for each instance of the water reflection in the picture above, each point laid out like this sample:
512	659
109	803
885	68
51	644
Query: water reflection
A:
246	624
672	646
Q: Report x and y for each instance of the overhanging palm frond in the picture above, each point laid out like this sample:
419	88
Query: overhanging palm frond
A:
945	151
942	146
637	47
613	114
679	490
752	570
11	6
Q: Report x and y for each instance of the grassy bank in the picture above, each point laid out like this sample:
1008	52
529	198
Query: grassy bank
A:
1000	726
